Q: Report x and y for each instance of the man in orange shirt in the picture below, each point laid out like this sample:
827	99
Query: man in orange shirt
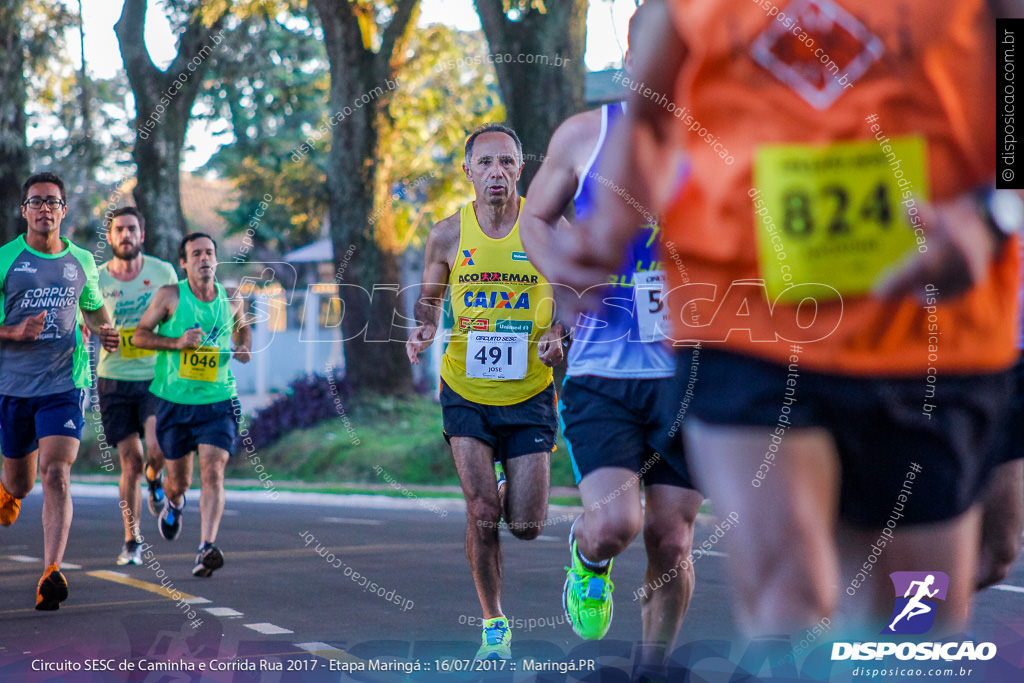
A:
857	292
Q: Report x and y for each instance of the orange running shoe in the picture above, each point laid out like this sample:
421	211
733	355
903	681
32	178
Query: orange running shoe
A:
9	507
52	589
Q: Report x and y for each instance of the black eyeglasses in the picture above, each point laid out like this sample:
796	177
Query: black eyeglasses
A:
36	203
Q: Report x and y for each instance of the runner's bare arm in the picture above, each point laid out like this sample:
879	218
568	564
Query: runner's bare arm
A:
961	246
241	336
553	189
550	350
163	305
99	324
438	259
639	162
27	330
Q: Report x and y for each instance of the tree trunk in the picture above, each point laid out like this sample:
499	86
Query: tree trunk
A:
14	162
372	360
540	95
163	103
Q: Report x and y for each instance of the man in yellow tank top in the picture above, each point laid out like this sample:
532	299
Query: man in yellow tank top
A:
497	398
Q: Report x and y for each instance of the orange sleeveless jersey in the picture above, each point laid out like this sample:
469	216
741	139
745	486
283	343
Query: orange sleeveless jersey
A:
924	70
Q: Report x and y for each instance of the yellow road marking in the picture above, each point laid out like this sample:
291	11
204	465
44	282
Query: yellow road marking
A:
165	591
32	610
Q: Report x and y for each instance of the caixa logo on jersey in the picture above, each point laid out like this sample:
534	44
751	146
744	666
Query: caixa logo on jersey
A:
918	597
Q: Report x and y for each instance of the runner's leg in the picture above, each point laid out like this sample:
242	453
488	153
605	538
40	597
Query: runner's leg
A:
56	455
474	461
782	555
528	478
212	461
668	538
1002	521
130	451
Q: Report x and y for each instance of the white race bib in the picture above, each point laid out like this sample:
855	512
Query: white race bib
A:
652	314
496	355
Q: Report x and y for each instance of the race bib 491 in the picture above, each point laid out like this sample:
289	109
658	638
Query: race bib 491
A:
496	355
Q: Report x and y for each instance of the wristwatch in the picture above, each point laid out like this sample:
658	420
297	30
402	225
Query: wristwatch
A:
1002	211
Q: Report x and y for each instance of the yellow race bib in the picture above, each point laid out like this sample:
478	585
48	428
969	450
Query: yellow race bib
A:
199	363
130	350
836	214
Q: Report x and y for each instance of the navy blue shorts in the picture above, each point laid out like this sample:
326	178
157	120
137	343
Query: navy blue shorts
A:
125	405
23	421
519	429
181	428
628	423
881	426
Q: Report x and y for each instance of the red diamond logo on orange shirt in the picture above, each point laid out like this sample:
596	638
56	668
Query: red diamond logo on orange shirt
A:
819	50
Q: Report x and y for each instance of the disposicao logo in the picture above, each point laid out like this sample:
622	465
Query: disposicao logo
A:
918	595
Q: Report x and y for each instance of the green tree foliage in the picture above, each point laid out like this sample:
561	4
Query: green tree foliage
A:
268	86
13	149
163	106
546	87
441	99
362	39
76	126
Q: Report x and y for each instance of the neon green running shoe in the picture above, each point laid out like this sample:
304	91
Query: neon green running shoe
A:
587	598
497	640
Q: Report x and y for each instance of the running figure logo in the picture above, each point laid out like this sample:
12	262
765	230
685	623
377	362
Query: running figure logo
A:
914	612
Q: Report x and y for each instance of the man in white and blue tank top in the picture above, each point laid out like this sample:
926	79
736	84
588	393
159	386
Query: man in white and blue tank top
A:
619	418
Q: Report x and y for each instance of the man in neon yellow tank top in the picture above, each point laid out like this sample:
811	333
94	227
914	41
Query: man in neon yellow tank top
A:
197	324
497	398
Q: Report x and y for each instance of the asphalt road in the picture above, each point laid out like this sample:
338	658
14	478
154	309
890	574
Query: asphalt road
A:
323	585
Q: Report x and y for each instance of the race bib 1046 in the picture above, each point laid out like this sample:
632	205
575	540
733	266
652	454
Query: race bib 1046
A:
200	363
835	214
496	355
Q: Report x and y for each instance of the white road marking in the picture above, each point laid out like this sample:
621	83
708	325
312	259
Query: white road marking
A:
1008	588
326	651
314	647
223	611
197	601
23	558
28	559
353	520
268	629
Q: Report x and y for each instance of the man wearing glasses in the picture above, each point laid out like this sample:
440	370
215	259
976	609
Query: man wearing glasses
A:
44	281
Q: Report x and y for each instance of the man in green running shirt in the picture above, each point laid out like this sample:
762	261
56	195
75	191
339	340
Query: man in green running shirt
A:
193	325
44	365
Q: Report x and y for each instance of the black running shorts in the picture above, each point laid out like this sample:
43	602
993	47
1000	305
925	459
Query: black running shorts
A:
881	427
125	405
519	429
1009	443
629	423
